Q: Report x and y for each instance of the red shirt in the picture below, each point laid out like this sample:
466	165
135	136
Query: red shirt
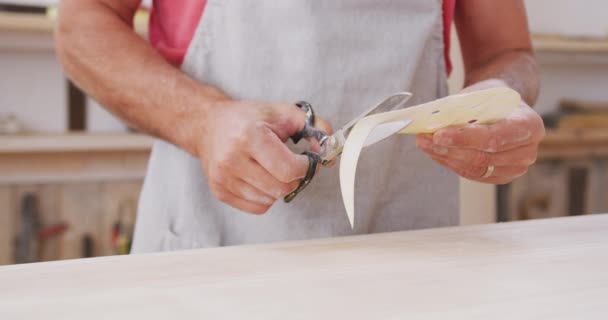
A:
173	23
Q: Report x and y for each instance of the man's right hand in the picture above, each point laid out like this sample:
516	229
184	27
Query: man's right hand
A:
244	156
240	144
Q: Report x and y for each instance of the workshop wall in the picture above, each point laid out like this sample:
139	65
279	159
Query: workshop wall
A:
571	177
570	75
26	53
22	55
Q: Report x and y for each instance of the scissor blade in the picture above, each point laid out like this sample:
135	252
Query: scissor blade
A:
391	103
334	144
384	131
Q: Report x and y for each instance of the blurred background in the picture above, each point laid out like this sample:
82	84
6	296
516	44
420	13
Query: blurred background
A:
70	173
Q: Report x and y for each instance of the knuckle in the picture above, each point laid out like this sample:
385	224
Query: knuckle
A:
227	158
236	140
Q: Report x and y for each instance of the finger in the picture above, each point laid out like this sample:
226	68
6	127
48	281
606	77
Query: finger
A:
286	120
244	205
247	192
262	180
330	164
523	156
267	149
523	127
477	173
314	144
425	136
324	125
316	148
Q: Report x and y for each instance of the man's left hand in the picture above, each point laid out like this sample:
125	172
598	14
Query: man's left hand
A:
496	153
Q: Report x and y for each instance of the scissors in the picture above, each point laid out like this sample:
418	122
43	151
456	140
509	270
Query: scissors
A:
331	145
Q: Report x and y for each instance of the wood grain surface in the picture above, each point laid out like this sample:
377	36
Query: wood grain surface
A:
544	269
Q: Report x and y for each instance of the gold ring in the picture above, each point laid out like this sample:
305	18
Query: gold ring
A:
489	172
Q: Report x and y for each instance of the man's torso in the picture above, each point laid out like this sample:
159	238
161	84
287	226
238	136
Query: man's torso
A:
173	23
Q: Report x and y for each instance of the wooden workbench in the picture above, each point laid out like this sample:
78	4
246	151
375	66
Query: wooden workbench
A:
546	269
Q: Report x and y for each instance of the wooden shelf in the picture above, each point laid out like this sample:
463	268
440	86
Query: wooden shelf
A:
576	136
574	144
62	143
45	23
25	22
47	159
550	43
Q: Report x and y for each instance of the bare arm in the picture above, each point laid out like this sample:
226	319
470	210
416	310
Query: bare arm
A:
496	44
496	51
104	56
239	143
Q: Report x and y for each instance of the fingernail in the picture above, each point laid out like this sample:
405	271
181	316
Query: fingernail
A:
257	198
267	201
440	150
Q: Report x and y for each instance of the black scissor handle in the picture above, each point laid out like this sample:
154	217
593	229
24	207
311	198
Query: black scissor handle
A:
308	125
313	161
309	131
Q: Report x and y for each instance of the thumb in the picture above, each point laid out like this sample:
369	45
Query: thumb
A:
324	125
286	120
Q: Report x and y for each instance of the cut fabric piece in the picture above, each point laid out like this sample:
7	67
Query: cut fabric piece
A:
479	107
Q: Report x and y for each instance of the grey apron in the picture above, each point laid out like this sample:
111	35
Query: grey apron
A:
342	56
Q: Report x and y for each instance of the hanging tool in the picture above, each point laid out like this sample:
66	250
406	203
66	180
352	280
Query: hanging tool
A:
32	236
